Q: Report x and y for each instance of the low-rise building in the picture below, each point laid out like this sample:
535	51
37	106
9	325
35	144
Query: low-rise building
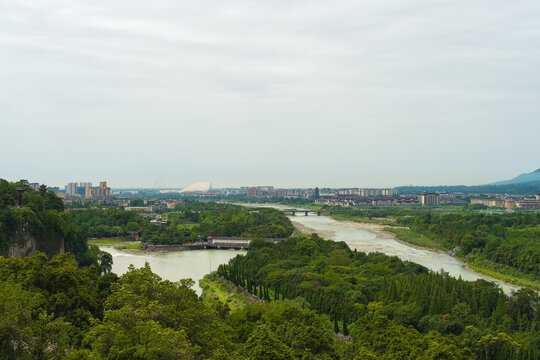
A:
488	202
383	202
528	204
139	208
276	193
510	204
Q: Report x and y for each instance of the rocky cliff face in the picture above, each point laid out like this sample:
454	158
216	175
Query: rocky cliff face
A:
26	244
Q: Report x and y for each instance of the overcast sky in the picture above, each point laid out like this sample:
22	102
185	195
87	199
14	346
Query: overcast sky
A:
284	93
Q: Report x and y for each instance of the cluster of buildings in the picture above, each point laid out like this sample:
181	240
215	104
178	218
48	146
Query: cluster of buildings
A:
381	197
316	193
392	199
101	191
80	192
150	205
372	197
430	199
356	200
36	187
265	191
363	192
147	207
525	203
86	190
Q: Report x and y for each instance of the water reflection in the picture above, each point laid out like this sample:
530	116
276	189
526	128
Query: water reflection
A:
173	266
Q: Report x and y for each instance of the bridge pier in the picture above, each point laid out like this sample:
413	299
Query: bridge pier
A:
318	213
293	213
306	213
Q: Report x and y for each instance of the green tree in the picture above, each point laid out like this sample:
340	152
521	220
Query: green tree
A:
263	344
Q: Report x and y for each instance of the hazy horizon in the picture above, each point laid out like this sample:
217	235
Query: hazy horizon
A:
289	94
163	185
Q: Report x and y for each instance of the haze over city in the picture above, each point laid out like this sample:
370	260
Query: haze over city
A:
307	93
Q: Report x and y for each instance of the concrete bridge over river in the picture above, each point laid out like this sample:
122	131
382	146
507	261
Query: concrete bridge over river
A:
305	211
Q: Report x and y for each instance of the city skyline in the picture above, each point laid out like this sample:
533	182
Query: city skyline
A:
291	94
164	185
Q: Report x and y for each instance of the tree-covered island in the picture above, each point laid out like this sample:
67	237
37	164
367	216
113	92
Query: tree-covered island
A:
187	222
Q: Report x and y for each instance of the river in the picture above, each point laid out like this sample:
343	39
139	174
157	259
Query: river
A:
175	265
376	241
195	264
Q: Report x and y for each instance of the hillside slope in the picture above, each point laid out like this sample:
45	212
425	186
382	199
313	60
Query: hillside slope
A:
533	176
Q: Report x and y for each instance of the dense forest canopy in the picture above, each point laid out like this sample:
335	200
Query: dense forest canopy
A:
395	308
508	239
52	309
42	218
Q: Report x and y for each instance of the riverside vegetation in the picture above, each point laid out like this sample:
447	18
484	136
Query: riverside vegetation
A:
393	309
505	246
52	309
191	221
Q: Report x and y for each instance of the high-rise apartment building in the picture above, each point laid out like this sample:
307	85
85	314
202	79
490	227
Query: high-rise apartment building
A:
86	189
85	185
91	192
71	188
103	190
429	199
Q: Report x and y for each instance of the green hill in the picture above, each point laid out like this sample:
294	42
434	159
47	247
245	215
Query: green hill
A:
533	176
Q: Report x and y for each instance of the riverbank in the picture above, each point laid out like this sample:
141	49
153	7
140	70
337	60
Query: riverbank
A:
409	237
486	269
128	246
302	229
136	247
381	232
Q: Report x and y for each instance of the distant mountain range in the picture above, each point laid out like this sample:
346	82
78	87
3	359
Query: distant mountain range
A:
524	184
523	178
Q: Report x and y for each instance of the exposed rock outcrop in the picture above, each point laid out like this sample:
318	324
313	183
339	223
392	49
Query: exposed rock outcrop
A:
25	244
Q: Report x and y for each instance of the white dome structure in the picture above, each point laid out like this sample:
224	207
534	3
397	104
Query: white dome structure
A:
198	187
